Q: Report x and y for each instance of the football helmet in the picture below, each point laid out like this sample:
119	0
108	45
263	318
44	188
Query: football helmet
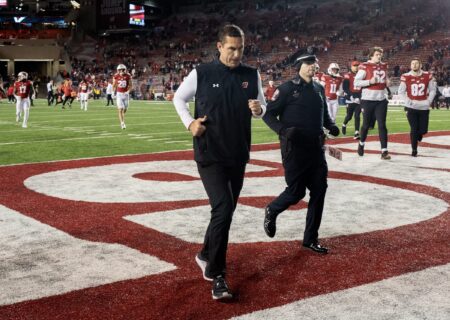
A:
121	67
22	75
332	66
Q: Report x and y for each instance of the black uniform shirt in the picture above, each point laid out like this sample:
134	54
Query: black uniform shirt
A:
299	104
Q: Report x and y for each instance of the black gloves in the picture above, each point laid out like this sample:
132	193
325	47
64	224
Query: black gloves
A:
334	130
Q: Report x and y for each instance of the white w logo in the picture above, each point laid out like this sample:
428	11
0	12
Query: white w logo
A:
215	85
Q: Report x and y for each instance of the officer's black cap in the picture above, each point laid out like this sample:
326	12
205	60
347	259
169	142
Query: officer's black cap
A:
305	58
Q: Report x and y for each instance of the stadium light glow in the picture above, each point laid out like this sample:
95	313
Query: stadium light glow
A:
75	4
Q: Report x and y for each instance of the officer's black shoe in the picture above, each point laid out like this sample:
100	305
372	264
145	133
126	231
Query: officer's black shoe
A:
360	149
414	153
344	130
316	247
220	289
270	222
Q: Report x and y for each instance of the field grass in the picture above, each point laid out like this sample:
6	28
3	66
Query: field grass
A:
56	134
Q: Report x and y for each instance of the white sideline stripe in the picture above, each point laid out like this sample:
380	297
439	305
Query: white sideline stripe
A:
38	261
413	296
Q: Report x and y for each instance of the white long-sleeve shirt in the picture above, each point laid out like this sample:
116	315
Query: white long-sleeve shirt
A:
187	91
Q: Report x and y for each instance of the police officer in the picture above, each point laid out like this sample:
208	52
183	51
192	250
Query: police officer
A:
298	112
227	95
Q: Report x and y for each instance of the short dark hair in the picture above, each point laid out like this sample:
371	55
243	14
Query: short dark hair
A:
230	30
416	59
373	50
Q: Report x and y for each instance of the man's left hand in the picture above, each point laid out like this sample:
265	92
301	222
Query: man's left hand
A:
255	107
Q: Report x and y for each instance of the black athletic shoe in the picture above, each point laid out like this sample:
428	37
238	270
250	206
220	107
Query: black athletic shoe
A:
360	149
385	155
220	289
270	222
344	130
414	153
356	136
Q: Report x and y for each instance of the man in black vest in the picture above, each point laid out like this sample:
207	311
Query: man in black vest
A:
227	95
298	113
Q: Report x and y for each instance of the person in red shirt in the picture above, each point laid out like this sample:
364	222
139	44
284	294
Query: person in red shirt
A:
332	83
84	89
418	88
67	89
270	90
372	77
10	94
122	86
352	98
23	89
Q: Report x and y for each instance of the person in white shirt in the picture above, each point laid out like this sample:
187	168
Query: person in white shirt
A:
446	94
109	93
418	89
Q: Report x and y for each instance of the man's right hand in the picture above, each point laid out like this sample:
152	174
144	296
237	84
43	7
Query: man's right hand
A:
197	127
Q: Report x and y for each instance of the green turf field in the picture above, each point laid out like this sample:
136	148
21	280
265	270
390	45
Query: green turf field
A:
56	134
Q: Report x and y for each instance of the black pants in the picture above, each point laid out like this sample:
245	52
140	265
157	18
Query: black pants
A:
223	185
109	99
418	121
303	168
353	108
50	98
447	102
375	110
68	98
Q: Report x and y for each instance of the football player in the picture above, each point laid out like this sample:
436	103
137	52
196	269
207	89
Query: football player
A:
23	89
332	83
372	77
122	86
352	98
418	89
84	89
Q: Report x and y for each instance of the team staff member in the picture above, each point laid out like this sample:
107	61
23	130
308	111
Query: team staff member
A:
372	78
227	95
418	88
50	96
297	113
352	98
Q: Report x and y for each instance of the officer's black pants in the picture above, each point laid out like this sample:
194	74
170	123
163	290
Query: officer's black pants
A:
418	121
223	185
304	168
375	110
353	108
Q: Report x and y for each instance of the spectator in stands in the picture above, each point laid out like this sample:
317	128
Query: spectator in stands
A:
418	89
227	95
